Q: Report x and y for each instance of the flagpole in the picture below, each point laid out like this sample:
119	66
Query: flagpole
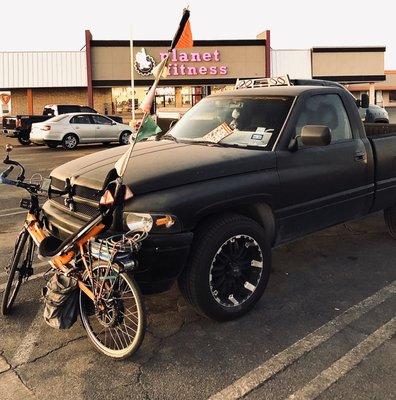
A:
181	37
128	153
132	76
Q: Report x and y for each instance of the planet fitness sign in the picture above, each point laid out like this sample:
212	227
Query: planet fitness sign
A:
182	63
177	67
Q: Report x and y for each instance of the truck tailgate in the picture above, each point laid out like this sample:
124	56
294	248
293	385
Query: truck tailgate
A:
9	122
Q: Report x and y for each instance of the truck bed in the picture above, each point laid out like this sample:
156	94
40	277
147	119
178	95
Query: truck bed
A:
375	129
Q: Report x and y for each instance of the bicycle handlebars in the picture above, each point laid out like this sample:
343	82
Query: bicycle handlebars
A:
32	188
21	176
7	172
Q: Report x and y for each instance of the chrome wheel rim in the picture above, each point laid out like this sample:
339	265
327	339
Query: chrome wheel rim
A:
236	270
125	138
70	142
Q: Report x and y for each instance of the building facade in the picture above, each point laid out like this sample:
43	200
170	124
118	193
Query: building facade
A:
108	76
208	67
383	93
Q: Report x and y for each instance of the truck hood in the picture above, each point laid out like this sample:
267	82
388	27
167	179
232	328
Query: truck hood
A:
165	164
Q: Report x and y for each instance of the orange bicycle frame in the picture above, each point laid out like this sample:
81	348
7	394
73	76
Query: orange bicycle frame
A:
59	262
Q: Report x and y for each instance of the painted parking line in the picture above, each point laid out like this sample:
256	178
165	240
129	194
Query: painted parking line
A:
13	213
10	209
343	365
282	360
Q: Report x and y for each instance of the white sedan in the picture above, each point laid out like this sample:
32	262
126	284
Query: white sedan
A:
71	129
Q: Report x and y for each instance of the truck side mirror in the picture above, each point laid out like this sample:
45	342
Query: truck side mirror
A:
315	135
364	100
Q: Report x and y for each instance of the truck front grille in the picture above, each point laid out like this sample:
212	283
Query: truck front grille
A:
85	200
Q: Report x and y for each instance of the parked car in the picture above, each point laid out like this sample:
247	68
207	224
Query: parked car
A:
20	125
71	129
298	160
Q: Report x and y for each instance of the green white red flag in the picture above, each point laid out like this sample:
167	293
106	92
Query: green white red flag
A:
182	39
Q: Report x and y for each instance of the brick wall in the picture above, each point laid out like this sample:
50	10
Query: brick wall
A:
102	100
42	97
18	101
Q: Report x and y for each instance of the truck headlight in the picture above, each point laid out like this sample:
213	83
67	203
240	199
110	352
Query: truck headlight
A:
154	223
137	222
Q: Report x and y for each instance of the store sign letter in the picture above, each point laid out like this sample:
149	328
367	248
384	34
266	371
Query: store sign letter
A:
178	68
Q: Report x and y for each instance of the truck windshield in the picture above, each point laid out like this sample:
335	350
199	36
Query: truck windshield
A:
235	121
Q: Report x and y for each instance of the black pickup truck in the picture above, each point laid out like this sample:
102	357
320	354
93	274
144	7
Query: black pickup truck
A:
241	172
21	125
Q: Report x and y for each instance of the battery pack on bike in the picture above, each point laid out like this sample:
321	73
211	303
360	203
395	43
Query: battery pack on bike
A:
105	250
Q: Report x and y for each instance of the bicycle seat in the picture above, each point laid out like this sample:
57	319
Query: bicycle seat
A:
50	246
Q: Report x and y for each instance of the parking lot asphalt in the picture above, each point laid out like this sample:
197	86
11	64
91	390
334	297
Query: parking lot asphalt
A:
323	329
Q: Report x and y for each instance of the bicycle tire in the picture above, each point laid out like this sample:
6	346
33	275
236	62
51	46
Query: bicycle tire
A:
86	313
10	291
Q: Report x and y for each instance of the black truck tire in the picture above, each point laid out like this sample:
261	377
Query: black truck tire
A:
228	268
390	220
24	140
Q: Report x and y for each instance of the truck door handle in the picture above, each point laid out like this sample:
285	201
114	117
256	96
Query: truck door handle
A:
360	156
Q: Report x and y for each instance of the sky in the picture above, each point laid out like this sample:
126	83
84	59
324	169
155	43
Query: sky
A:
29	25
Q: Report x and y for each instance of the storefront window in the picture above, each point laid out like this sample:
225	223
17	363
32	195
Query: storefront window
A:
122	100
165	97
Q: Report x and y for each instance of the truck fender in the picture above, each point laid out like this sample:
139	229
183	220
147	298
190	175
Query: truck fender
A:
259	211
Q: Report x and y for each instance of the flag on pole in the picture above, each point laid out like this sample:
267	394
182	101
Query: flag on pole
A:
148	128
162	66
183	37
147	102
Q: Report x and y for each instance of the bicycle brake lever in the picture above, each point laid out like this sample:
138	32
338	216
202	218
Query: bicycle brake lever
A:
21	176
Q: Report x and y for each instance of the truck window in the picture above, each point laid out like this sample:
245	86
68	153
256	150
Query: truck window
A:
66	109
328	110
88	109
48	111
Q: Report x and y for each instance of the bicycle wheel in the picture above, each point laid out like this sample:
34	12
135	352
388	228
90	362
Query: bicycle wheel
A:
20	262
116	325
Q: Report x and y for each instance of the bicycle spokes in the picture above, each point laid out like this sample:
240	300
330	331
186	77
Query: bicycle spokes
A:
115	322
